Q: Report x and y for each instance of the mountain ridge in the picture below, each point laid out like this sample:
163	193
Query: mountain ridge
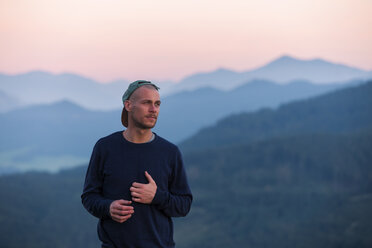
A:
351	106
283	69
44	87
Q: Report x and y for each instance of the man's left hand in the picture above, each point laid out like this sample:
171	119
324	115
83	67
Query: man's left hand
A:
144	193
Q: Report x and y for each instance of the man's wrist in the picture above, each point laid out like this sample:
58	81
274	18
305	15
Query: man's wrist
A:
107	208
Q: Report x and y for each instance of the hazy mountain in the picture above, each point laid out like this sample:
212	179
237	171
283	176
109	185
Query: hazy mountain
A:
49	137
282	70
286	69
222	79
8	102
182	114
336	112
41	87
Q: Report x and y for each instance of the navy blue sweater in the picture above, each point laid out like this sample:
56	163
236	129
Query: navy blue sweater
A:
114	165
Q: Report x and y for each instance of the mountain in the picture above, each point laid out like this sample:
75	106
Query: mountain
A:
182	114
302	191
335	112
7	102
301	176
41	87
285	69
282	70
222	79
48	137
58	135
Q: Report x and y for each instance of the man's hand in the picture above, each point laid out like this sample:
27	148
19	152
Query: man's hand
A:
120	210
144	193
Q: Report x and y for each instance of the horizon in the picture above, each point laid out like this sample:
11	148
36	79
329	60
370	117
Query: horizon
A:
186	76
107	41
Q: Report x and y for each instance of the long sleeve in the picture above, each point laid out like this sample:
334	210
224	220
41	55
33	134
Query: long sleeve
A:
177	200
92	198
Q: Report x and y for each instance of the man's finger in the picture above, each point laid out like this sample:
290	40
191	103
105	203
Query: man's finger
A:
120	210
149	178
123	207
137	185
122	213
137	199
125	213
135	194
124	202
134	189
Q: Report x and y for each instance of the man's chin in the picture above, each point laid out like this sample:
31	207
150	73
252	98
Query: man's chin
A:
146	125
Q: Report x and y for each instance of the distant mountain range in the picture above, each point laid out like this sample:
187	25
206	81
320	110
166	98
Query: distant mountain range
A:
182	114
68	117
41	87
52	136
282	70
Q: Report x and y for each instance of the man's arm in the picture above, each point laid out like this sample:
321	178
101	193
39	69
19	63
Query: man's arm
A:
92	198
174	202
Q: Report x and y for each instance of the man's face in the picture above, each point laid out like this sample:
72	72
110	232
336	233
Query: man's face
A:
143	107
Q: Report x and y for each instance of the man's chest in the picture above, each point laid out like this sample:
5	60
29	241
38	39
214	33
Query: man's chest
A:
124	168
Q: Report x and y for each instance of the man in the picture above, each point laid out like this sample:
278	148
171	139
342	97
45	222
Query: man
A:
135	181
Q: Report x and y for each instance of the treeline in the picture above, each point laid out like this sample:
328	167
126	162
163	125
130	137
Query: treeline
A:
302	191
299	191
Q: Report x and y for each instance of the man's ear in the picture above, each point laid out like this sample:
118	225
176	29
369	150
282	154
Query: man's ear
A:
127	105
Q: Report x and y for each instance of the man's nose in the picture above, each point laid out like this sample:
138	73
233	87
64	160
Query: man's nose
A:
154	108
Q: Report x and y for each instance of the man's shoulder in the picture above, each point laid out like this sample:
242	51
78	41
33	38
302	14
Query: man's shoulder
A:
163	142
114	137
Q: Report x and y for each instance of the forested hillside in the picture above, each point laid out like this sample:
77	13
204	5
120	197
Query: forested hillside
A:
299	176
338	112
301	191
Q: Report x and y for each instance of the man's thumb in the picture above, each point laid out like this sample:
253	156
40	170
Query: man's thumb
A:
149	178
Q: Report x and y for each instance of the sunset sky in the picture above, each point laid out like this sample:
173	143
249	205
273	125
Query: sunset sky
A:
167	40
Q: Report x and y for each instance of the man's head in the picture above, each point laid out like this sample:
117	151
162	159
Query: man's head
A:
141	105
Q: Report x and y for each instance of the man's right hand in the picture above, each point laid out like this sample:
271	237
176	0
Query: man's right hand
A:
120	210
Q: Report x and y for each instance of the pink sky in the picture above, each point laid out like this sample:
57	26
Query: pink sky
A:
166	39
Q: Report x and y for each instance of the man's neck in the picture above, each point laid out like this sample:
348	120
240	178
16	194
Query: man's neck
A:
135	135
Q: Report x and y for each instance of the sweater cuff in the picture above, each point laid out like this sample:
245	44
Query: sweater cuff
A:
160	197
107	209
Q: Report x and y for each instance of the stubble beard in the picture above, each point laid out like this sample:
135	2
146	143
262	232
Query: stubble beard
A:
142	125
